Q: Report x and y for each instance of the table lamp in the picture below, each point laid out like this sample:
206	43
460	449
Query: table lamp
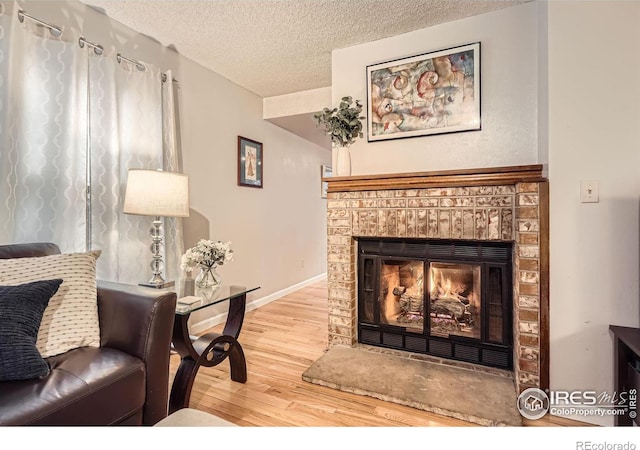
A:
158	194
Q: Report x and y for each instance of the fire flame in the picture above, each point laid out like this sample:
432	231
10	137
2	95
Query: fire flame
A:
443	287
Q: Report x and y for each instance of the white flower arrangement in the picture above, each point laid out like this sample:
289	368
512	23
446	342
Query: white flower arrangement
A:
207	253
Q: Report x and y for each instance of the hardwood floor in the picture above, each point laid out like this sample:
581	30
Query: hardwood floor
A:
281	340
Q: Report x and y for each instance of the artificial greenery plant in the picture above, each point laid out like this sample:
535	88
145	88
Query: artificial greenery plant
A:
344	123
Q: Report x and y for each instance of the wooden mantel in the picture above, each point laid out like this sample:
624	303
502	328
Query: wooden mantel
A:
443	178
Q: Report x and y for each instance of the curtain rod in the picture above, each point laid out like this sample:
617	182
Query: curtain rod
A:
141	67
97	49
56	31
164	78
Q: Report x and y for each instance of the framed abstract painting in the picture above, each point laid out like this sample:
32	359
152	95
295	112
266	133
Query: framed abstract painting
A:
431	93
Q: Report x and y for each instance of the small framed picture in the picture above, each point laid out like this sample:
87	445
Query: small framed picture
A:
325	172
250	157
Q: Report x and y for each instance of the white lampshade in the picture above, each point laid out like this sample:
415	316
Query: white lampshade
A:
157	193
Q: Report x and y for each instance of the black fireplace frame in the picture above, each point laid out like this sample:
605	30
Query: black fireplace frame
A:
487	254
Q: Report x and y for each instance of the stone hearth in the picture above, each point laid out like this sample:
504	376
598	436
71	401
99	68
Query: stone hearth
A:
498	204
477	397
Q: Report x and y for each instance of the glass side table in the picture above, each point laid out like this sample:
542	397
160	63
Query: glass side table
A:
209	349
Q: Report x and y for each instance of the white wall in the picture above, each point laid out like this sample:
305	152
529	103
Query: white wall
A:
271	229
310	101
509	76
594	134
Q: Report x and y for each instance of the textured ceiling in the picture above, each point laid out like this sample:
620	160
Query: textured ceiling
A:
274	47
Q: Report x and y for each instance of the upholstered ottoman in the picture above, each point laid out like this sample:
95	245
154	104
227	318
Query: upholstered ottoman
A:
188	417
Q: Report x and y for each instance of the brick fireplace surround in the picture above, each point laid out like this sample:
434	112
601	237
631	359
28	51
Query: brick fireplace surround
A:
497	204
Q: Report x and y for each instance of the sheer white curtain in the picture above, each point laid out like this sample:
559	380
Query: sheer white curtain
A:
125	133
42	136
174	245
72	123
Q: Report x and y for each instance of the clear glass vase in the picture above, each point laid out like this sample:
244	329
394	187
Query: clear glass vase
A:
208	277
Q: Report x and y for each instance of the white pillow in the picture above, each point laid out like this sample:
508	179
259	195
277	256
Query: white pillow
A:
71	317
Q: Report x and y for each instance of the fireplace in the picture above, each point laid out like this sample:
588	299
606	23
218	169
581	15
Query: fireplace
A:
499	208
447	298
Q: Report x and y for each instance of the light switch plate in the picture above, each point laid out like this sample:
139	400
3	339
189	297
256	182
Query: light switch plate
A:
589	191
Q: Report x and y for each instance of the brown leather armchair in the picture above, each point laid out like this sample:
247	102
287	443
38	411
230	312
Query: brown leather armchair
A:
123	382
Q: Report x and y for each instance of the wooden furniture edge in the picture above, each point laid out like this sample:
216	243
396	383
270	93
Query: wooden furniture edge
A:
626	347
630	336
444	178
545	325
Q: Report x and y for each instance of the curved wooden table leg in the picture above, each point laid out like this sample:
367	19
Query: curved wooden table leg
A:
182	385
208	350
238	363
233	325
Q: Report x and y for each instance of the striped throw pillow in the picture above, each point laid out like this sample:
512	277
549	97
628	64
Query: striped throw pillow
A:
71	317
21	310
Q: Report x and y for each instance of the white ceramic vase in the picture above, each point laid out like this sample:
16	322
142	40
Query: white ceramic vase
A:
343	162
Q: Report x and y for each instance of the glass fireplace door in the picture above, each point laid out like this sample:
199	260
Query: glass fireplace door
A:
401	299
447	298
455	299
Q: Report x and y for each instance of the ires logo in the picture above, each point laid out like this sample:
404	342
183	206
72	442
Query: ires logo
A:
587	398
534	403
